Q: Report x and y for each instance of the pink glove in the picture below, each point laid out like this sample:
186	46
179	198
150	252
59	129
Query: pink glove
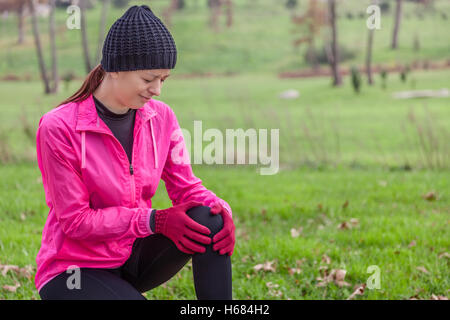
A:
175	224
224	240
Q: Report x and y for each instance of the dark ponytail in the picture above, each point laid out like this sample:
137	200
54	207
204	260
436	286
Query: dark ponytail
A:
93	80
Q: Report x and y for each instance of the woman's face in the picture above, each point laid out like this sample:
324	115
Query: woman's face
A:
134	88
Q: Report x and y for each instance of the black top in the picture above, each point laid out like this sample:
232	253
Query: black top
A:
121	125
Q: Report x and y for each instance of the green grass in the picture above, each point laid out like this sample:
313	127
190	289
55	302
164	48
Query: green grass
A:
388	205
259	41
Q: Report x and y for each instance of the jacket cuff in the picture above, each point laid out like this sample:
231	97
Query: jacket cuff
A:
152	220
145	222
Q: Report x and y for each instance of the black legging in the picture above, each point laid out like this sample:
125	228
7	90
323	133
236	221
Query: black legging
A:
153	261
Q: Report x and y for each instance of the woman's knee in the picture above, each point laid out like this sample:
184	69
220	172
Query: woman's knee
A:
202	215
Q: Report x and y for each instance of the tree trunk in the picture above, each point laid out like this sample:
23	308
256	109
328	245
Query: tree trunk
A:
229	13
37	42
21	26
215	9
337	80
168	12
398	17
369	57
87	60
102	30
52	32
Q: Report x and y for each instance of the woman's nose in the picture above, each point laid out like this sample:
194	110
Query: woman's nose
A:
155	90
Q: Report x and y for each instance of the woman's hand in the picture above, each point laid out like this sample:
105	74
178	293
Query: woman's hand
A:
175	224
224	240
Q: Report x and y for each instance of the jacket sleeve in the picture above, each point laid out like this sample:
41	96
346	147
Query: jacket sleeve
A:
66	192
181	183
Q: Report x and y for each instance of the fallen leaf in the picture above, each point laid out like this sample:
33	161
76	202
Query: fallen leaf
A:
344	225
26	271
434	297
415	296
296	232
339	278
422	269
6	267
11	288
271	285
275	293
359	291
293	271
336	275
444	255
266	266
272	291
345	205
430	196
340	274
326	259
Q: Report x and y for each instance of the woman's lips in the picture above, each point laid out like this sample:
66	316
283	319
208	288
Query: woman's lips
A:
145	97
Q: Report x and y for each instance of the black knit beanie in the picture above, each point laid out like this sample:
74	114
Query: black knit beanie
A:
138	41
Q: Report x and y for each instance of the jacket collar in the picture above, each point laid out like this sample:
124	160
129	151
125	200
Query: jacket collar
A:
88	119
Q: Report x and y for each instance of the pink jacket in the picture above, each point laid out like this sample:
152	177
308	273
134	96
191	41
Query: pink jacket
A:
99	204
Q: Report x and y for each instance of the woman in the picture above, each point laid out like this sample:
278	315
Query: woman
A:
102	153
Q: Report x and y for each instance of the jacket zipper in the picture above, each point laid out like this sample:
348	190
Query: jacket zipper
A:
133	184
131	169
133	187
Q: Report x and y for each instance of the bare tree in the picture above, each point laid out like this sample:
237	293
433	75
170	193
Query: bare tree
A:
55	86
398	17
87	59
168	12
229	12
310	23
17	6
102	29
37	40
369	57
334	63
216	10
214	6
21	18
369	51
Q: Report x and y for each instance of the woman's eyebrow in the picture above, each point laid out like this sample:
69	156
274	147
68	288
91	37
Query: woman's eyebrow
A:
156	76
